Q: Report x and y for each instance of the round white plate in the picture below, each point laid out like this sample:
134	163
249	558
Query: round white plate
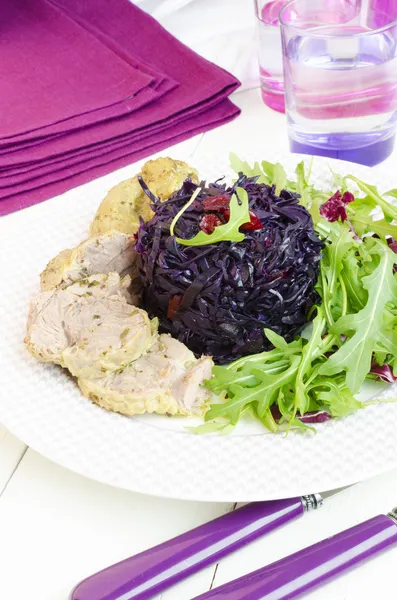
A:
152	454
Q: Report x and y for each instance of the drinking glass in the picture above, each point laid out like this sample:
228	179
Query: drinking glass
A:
269	52
340	76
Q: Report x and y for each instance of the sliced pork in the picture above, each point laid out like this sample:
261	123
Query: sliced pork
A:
126	203
104	253
88	327
166	379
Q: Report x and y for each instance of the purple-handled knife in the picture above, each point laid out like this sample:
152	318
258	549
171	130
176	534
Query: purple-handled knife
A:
290	577
152	571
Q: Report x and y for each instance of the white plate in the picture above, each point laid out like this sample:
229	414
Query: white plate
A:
153	454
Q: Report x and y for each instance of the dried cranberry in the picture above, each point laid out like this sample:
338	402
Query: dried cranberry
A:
335	208
173	306
254	224
218	203
209	222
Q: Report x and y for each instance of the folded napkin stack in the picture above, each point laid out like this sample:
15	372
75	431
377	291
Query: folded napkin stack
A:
88	87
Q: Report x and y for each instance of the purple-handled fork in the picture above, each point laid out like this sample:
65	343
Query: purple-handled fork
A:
146	574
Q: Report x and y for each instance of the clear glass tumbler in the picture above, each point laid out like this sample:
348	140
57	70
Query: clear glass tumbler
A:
340	75
269	52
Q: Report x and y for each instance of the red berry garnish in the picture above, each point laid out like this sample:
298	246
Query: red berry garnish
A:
173	306
253	225
216	203
209	222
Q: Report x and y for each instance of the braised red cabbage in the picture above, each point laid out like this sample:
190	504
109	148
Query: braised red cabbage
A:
218	298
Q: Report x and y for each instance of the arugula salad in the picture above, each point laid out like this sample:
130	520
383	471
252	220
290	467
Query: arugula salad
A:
353	332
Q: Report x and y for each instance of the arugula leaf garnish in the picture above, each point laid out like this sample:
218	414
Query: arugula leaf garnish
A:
355	356
230	231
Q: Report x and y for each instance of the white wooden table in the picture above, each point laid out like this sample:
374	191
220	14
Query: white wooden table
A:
57	527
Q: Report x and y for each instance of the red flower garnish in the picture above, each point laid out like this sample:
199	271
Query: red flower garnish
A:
335	208
209	222
173	306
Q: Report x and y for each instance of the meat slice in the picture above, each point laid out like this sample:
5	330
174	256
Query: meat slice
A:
54	271
126	203
164	176
166	379
88	327
112	252
46	335
121	208
114	350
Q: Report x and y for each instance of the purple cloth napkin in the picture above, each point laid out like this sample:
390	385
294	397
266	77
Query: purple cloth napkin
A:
47	132
159	85
71	178
53	69
11	176
49	165
89	139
